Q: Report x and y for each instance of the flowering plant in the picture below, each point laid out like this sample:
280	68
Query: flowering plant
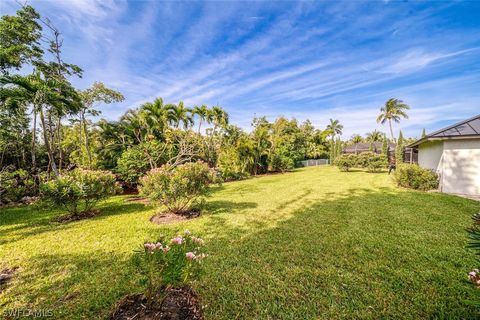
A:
177	188
170	263
474	277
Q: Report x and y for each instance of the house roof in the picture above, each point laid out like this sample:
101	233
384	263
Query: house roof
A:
365	146
462	130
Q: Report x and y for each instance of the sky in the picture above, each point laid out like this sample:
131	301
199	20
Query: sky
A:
309	60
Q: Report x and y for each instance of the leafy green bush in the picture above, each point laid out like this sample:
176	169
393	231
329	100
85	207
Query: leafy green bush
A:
170	263
279	162
14	185
177	188
376	162
346	161
415	177
137	160
79	190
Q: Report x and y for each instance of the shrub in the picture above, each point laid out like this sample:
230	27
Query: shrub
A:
14	185
346	161
280	162
170	263
415	177
137	160
79	190
177	188
376	162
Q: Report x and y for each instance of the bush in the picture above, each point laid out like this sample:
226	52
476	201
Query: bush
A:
170	263
346	161
79	190
14	185
281	163
376	162
137	160
415	177
177	188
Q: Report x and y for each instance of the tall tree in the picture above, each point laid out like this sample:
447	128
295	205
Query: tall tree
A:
393	110
91	97
201	112
20	39
399	149
335	128
181	114
218	117
49	97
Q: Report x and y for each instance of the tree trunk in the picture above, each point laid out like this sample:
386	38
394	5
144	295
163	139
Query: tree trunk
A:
34	138
391	130
87	140
59	138
199	125
47	144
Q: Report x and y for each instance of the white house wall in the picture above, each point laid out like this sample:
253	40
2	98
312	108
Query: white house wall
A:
430	155
460	163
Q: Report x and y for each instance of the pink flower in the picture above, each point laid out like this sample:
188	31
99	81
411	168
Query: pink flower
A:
190	255
201	256
198	241
158	246
166	249
177	240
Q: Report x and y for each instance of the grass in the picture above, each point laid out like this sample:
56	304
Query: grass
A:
313	244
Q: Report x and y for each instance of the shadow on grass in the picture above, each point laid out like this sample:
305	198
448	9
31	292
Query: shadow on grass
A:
358	254
219	206
21	222
362	255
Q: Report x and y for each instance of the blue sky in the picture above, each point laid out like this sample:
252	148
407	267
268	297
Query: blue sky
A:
315	60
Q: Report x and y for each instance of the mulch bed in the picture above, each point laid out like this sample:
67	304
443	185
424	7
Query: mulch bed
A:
5	276
75	217
168	217
178	304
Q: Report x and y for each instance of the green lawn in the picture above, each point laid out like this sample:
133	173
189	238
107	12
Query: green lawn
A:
313	244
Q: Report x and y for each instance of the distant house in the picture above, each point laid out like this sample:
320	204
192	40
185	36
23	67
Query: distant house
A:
454	153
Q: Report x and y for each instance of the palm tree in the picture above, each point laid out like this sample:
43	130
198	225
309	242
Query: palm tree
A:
335	128
356	139
394	109
180	114
373	137
155	117
201	113
218	117
49	97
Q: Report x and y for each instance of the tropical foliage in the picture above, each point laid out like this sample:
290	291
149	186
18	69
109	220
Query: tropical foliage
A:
177	188
415	177
80	190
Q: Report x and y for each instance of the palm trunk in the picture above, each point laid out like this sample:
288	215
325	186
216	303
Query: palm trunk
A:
199	125
391	130
47	144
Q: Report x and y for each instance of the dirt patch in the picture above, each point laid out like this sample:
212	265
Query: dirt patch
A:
75	217
5	276
177	304
168	217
